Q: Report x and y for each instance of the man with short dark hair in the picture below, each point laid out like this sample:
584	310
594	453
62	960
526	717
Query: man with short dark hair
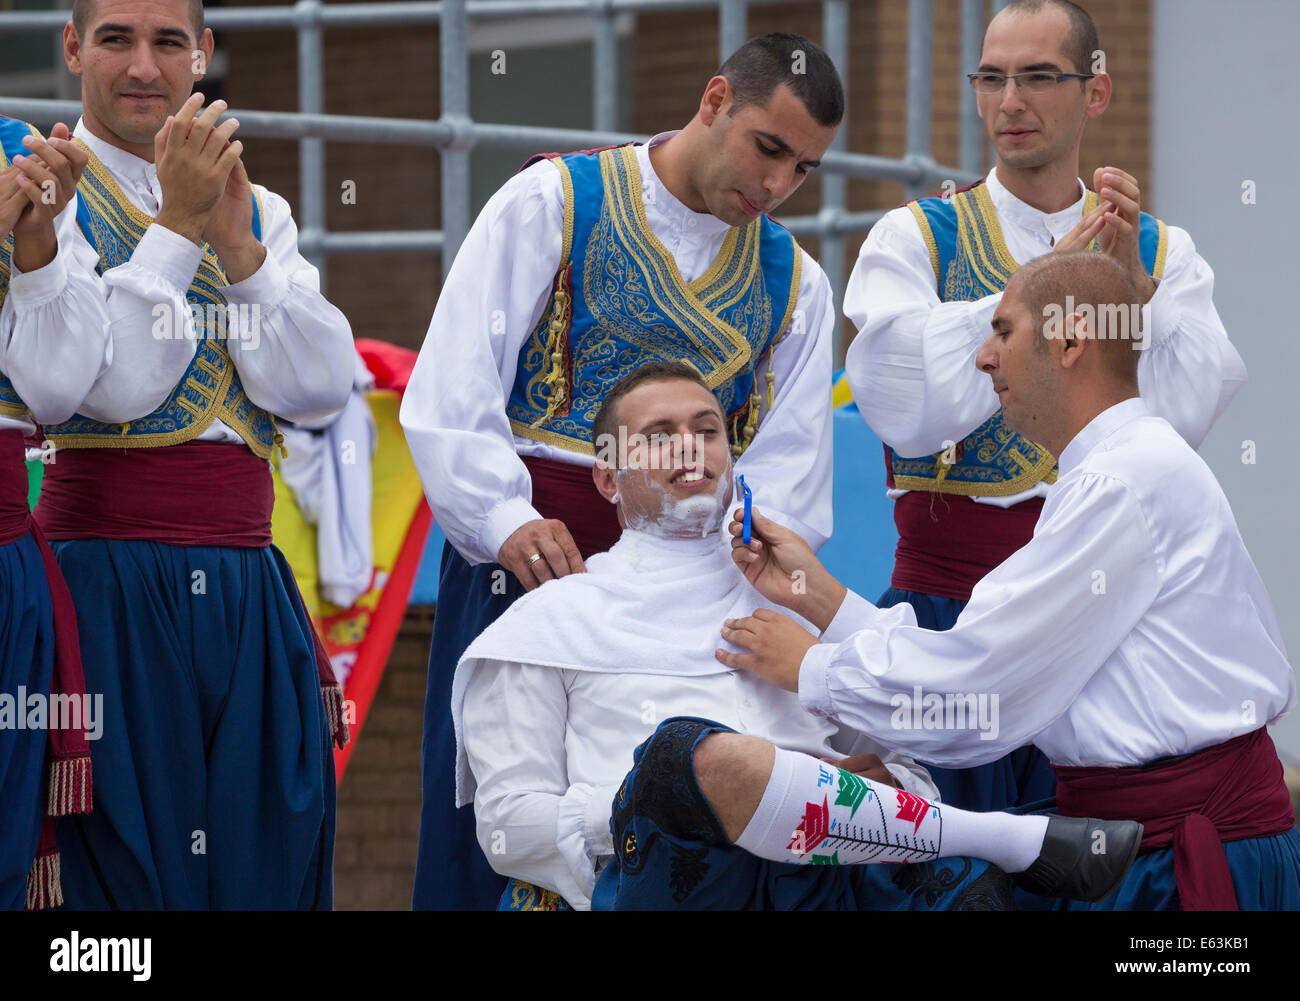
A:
1131	639
553	698
214	777
966	490
579	269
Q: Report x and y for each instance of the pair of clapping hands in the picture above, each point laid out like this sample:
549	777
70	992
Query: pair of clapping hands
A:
206	194
782	568
35	188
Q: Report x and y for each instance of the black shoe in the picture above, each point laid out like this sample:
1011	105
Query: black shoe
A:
1068	867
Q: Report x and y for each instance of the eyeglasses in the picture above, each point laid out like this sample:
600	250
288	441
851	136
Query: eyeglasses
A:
1035	83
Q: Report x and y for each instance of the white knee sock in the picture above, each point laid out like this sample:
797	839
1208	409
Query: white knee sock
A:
815	813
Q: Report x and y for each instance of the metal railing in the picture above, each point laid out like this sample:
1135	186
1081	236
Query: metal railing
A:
455	133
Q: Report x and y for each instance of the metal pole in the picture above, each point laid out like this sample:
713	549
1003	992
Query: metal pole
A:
920	18
604	69
454	77
731	27
972	37
311	152
835	38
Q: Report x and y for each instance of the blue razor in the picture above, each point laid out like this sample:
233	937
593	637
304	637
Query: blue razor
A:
748	530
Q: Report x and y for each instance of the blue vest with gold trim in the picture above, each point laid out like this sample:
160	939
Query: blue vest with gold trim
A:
970	261
618	300
210	389
11	144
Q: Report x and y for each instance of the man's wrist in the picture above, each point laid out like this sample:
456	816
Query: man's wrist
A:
823	600
35	248
241	261
190	228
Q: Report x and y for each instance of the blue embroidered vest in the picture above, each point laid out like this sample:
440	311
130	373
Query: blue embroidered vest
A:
618	300
971	260
11	144
210	388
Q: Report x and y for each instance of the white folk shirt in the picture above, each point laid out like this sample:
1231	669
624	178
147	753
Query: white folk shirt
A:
299	367
549	747
912	364
1132	626
52	367
454	412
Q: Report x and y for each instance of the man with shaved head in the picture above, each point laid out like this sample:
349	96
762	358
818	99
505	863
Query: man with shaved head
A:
1131	639
966	489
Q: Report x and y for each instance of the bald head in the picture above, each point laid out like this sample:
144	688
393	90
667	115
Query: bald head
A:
1098	291
1080	40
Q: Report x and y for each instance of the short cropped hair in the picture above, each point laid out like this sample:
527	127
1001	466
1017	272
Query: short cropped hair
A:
606	422
1081	42
1087	278
763	63
84	10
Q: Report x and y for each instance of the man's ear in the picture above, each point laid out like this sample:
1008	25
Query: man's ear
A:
206	45
606	479
1097	94
72	49
717	95
1078	339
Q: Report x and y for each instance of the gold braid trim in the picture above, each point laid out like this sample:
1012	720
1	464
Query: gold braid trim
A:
927	234
758	397
561	306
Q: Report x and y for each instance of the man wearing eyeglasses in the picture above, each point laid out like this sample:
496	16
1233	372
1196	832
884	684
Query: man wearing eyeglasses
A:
922	295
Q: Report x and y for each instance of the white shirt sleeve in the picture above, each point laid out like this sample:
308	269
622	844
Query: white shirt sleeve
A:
912	364
54	338
295	353
1035	631
1190	371
454	410
789	462
532	824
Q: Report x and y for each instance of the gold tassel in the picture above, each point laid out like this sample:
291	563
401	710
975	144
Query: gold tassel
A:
333	696
44	883
70	790
554	334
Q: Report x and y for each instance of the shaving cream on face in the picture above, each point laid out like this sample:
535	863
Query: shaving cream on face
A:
662	514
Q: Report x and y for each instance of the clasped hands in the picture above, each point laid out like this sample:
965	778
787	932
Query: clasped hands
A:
1116	225
207	197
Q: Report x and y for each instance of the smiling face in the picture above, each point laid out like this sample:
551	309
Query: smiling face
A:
137	62
753	160
1027	129
1019	358
675	478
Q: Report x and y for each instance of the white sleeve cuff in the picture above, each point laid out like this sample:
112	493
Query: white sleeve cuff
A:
502	522
595	821
855	612
35	288
267	286
814	694
169	255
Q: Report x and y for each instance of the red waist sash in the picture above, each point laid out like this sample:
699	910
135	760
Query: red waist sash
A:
566	491
947	542
1227	792
68	788
201	493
